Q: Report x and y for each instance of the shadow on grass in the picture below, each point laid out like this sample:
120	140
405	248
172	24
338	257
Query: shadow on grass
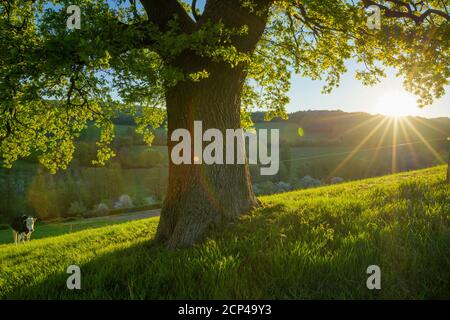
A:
274	252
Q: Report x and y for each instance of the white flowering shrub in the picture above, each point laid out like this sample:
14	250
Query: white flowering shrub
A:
124	202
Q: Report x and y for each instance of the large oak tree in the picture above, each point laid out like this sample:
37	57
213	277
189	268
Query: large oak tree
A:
165	58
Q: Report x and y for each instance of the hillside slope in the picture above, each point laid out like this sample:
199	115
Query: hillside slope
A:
314	243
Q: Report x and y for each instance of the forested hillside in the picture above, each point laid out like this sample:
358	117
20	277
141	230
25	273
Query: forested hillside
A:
334	144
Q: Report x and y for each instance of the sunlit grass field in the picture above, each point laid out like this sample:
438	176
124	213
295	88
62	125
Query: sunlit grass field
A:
56	229
310	244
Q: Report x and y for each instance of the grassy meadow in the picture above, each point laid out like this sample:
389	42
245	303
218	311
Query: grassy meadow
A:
56	229
308	244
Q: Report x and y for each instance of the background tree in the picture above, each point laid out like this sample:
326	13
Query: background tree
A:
161	57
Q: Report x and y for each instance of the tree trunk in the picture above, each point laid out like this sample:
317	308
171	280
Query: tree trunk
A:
201	196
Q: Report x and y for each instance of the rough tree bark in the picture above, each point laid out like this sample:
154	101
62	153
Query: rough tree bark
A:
200	196
203	195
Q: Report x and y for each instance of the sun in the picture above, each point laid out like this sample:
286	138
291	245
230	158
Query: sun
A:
396	104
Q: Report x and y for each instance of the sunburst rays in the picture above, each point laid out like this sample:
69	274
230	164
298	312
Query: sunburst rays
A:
394	146
358	147
395	125
425	142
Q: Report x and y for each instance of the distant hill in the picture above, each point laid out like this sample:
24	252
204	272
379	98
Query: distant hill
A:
355	145
323	127
334	144
336	127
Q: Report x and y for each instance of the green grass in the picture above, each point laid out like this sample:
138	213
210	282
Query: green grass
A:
365	162
56	229
315	243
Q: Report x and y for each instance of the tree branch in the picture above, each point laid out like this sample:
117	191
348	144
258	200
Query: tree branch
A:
235	15
409	14
194	10
160	12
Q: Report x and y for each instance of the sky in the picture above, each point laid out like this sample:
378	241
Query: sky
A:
353	96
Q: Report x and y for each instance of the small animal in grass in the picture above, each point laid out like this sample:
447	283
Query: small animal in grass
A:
22	228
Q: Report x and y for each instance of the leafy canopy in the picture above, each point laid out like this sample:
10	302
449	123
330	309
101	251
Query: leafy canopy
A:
55	81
